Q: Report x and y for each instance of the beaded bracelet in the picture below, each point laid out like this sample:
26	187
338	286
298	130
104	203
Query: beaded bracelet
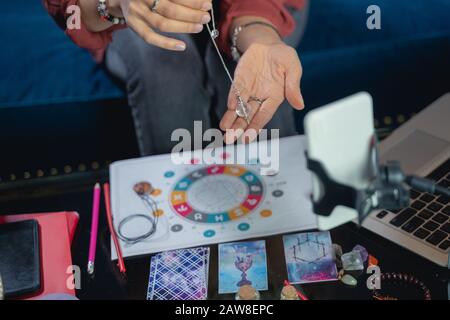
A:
405	279
104	14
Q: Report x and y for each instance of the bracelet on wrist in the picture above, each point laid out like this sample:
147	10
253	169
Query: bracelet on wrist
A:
235	53
102	10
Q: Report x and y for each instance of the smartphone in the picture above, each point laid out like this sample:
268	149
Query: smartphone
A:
340	136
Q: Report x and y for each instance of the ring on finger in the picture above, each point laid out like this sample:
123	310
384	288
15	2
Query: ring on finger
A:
257	100
154	6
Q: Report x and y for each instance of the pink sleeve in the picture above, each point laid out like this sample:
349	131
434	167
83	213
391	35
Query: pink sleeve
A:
273	10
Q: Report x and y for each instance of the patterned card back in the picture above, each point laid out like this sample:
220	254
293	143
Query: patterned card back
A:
179	275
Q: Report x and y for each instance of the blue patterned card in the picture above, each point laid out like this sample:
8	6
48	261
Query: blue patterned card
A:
179	275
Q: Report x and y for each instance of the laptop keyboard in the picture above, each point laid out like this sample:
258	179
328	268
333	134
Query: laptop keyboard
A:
428	217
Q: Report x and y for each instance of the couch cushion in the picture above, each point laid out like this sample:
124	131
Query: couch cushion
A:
339	24
39	65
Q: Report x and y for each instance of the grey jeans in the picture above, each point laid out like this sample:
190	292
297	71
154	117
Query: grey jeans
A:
170	90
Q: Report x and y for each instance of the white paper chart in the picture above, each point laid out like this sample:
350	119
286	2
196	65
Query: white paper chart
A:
201	204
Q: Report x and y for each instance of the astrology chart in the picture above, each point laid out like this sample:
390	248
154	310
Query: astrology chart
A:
199	204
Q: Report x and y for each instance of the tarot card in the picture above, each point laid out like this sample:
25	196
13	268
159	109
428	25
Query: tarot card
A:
179	275
242	263
309	257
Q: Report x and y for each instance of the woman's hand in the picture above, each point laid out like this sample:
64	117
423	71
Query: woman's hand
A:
270	71
177	16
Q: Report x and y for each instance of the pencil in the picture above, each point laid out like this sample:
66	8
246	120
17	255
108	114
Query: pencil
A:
94	229
112	230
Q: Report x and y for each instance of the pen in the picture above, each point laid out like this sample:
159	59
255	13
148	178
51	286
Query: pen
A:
94	229
112	230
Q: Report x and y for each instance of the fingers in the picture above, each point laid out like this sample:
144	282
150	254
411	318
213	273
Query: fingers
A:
262	117
227	120
292	86
230	115
179	12
157	21
239	125
204	5
172	16
144	31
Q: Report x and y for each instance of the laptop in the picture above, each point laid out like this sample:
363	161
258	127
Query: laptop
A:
422	145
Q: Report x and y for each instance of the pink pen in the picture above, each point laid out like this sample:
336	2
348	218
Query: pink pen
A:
94	229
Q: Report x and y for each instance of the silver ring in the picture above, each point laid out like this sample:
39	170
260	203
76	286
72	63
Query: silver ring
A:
154	6
258	100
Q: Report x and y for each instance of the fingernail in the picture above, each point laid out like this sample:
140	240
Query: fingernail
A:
207	6
198	27
302	103
206	19
252	135
180	46
228	139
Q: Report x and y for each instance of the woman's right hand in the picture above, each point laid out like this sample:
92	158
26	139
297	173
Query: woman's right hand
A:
173	16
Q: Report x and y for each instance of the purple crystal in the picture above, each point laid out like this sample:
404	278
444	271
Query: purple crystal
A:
362	251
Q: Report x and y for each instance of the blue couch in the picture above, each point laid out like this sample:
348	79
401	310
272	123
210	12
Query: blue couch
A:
60	112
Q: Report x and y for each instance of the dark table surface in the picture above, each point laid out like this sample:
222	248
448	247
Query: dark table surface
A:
74	193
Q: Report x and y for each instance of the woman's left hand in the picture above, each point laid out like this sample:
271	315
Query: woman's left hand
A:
270	73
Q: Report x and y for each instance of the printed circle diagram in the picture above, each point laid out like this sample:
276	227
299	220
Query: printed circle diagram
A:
216	194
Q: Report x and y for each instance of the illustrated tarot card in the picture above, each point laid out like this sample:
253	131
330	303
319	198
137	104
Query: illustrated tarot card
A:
309	257
242	263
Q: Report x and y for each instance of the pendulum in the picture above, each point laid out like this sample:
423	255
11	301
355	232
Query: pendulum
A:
242	110
143	190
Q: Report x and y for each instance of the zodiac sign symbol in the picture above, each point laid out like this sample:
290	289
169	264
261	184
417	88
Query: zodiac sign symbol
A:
198	216
234	170
197	174
238	212
177	197
214	169
182	185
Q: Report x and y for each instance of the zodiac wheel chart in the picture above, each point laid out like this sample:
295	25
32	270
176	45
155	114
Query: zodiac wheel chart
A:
217	194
